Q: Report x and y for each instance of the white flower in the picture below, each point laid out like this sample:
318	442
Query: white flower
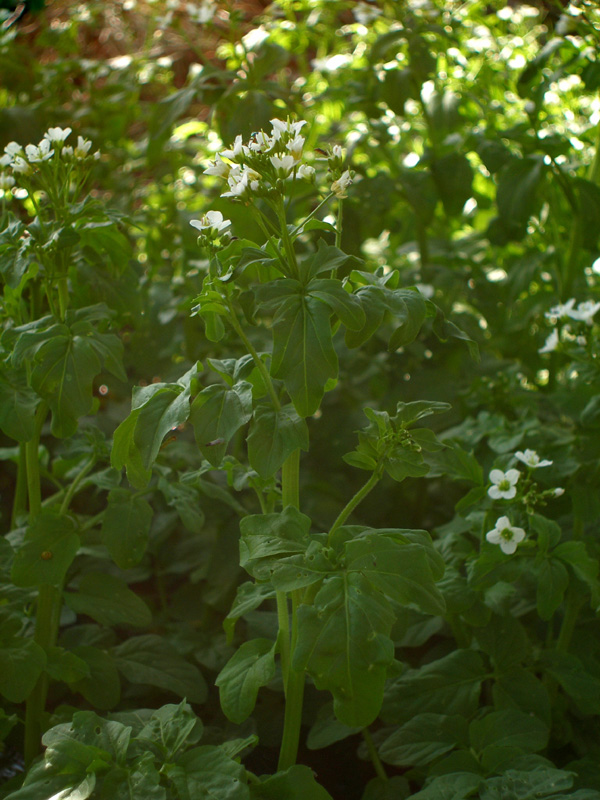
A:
280	127
57	134
13	149
339	187
306	171
211	221
504	484
83	146
283	164
364	13
585	311
559	491
202	13
262	143
531	458
240	180
295	146
506	535
6	182
37	154
20	165
561	310
219	168
238	149
5	160
337	152
551	343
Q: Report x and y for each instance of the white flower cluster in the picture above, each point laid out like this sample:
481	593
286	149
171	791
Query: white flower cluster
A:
25	160
563	312
211	225
250	168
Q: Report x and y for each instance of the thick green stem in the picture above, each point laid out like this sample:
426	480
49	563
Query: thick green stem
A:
286	239
339	224
20	498
73	488
351	505
374	755
573	605
294	680
63	296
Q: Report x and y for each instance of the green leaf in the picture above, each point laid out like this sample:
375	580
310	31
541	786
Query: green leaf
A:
552	580
372	300
534	784
346	306
207	773
502	735
125	527
410	310
296	783
450	685
152	660
577	682
170	729
453	176
344	644
456	786
185	500
274	435
252	666
17	405
505	641
48	550
22	664
249	596
401	571
519	688
216	414
102	688
517	194
423	739
109	601
326	259
576	556
63	665
303	354
266	538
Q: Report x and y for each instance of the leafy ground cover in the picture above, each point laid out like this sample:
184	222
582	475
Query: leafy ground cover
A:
299	400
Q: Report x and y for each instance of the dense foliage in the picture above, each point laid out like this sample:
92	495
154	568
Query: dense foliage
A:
300	400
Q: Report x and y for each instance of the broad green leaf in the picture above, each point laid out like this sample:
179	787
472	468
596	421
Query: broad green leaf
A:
344	644
453	176
48	550
126	526
450	685
126	454
535	784
455	786
505	641
87	728
372	300
327	729
109	601
517	195
552	580
17	405
296	783
394	788
502	735
152	660
585	567
266	538
423	739
185	500
409	309
133	782
400	571
274	435
577	682
170	729
346	306
63	665
252	666
102	688
22	664
216	414
303	354
519	688
207	773
326	259
249	596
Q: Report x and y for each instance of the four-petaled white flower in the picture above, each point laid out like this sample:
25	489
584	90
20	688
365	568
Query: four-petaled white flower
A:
283	165
212	221
57	135
551	343
295	146
83	147
504	484
506	535
306	171
219	168
6	182
339	187
585	311
559	491
531	458
38	153
238	149
561	310
280	127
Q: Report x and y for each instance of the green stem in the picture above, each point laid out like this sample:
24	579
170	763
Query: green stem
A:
594	170
351	505
32	461
20	498
71	491
63	296
573	605
374	755
260	364
294	683
339	224
283	637
298	228
286	239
